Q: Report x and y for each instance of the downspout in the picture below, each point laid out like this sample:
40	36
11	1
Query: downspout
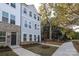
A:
20	20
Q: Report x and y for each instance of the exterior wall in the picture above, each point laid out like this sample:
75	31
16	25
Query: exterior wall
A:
7	27
26	17
9	9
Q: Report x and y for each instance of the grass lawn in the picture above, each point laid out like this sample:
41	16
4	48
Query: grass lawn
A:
40	49
6	51
76	45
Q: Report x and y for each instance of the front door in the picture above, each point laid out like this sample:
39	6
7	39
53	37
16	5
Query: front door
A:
13	38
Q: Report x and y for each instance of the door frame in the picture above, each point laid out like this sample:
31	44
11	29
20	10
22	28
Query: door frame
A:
15	39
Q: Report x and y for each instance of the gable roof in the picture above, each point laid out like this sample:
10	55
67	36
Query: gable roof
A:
32	7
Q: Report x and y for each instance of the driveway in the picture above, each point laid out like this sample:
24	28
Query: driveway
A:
67	49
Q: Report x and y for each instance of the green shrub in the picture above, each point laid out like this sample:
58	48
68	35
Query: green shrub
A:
76	35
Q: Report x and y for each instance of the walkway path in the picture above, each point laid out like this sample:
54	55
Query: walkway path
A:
50	44
67	49
22	52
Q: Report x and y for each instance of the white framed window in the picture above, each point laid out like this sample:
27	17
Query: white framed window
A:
12	19
24	37
30	13
2	36
25	24
34	16
13	5
25	11
5	16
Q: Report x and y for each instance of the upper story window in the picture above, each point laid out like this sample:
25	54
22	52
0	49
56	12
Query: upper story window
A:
34	16
7	3
29	24
13	5
5	16
25	11
25	24
12	19
30	14
35	26
38	18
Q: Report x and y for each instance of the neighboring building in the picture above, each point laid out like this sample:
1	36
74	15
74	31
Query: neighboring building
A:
9	24
30	24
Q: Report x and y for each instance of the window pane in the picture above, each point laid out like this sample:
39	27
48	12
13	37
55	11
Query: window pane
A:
0	33
30	36
25	10
7	3
5	14
4	19
30	14
12	17
2	39
35	26
24	37
13	5
34	16
34	37
25	24
12	21
4	33
38	18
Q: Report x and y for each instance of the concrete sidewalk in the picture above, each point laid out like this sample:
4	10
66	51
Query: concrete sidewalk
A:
22	52
67	49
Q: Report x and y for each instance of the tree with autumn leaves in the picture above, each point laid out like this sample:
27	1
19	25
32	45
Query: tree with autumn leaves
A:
65	14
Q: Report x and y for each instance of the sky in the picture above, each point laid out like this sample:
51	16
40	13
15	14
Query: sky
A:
35	4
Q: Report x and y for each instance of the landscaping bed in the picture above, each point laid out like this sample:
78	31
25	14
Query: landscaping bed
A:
40	49
76	45
6	51
54	42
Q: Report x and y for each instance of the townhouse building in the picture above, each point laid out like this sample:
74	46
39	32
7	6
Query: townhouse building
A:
30	24
9	24
19	23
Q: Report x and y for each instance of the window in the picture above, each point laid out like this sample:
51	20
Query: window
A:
30	36
7	3
30	14
35	26
38	18
29	24
25	11
13	5
34	16
24	37
35	38
38	27
5	16
12	19
25	24
2	36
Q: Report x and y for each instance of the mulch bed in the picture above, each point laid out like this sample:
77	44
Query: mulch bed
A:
6	48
